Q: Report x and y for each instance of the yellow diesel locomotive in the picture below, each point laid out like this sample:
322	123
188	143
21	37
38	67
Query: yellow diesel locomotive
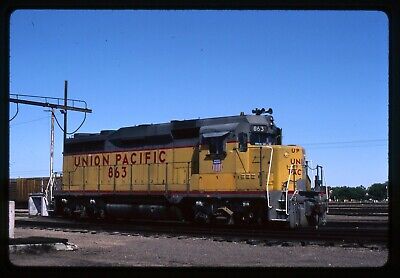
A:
226	169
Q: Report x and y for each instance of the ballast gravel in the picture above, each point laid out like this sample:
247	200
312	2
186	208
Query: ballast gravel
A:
135	250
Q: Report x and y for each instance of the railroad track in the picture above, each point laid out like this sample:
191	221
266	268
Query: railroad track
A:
359	209
323	235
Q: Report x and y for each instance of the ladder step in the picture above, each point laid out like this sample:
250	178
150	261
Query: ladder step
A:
280	210
279	219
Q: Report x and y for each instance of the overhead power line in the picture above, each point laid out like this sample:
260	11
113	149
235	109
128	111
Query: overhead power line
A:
34	120
16	113
27	171
347	146
344	142
63	104
69	133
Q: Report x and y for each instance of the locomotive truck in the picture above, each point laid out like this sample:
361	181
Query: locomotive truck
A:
231	169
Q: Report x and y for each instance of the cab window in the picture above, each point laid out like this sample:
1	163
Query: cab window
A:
215	142
257	138
216	145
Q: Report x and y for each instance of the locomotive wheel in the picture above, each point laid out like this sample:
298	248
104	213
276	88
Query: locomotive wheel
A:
102	213
224	217
91	212
82	214
201	218
67	212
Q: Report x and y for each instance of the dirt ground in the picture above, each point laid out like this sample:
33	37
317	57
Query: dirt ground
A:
103	249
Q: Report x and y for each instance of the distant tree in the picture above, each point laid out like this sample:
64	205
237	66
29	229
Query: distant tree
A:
378	191
347	193
340	193
359	193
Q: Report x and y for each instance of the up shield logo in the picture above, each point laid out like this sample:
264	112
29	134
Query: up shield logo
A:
217	165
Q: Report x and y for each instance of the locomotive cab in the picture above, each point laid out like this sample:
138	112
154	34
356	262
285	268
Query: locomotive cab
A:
247	159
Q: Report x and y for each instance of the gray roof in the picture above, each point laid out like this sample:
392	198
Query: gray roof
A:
164	133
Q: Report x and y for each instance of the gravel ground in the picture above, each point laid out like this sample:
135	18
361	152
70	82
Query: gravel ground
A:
103	249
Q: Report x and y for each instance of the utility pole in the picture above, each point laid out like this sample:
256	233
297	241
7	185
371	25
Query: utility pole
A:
65	112
52	142
50	184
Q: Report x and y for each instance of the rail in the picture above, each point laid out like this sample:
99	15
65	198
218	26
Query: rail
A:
341	233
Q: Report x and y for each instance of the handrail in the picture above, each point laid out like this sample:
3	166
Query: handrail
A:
294	193
287	188
49	185
296	190
327	198
269	173
269	170
48	191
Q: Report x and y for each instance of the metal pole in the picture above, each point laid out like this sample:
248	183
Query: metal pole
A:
52	142
65	112
322	176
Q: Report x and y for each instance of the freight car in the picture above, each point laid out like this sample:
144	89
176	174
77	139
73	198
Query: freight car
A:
230	169
20	188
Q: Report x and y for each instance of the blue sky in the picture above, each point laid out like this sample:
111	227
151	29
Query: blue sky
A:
324	73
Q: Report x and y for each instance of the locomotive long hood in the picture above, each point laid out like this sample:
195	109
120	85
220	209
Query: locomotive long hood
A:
186	132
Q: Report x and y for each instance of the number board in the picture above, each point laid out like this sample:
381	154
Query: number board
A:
259	128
